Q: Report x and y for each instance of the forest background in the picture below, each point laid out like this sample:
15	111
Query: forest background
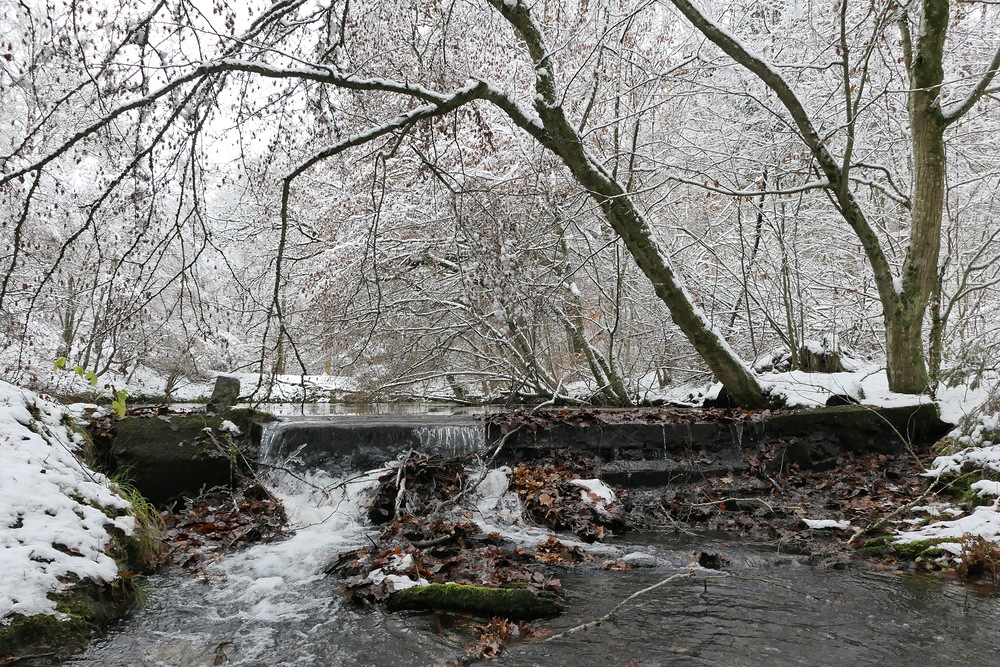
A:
495	199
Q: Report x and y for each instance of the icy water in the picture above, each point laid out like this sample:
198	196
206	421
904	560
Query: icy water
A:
272	605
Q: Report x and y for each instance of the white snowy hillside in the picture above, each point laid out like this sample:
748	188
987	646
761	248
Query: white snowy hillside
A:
54	521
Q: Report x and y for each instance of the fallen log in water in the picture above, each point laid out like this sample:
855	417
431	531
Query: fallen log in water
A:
513	603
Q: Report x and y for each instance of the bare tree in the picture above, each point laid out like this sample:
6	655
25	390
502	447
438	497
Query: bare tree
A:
904	297
174	84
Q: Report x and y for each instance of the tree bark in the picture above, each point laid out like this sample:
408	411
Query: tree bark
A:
906	362
560	137
904	301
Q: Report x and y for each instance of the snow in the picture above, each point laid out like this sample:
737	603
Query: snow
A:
987	457
974	410
53	508
983	522
229	427
594	491
821	524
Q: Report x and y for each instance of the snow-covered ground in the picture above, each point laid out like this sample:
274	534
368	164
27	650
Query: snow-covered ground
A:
978	440
977	433
54	510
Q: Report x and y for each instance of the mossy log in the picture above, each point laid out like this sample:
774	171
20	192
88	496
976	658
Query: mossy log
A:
513	603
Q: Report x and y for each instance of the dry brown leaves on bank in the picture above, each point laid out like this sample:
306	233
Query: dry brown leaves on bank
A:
219	521
551	498
771	506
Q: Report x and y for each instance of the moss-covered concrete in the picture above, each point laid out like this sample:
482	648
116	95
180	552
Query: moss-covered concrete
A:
180	455
512	603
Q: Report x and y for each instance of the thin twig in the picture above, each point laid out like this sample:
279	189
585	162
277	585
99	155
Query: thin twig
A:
620	605
889	517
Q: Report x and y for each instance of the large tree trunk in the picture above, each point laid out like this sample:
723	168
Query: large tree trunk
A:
560	137
906	363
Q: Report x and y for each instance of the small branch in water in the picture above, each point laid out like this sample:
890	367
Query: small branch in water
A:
620	605
483	468
443	539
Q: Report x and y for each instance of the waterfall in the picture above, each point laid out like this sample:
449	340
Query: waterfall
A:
344	445
451	439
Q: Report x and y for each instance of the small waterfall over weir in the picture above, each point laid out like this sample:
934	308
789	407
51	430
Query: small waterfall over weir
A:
348	444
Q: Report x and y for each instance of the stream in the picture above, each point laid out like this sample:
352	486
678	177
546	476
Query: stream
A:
271	604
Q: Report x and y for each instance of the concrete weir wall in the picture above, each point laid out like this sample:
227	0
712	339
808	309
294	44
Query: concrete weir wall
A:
651	448
352	444
181	454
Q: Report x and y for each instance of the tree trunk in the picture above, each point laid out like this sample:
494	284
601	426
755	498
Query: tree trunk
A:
559	136
906	363
904	301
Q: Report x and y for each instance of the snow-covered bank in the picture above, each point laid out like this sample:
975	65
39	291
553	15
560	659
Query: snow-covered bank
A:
56	514
973	468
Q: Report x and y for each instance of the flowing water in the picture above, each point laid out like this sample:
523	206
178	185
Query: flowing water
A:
272	605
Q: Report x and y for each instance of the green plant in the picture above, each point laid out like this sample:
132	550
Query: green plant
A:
118	397
142	551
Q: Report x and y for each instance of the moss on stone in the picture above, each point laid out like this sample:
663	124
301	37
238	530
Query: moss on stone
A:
886	545
512	603
917	549
85	608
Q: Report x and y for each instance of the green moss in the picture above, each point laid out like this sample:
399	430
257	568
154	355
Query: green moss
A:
960	490
86	608
249	420
42	633
886	545
142	550
877	546
512	603
917	549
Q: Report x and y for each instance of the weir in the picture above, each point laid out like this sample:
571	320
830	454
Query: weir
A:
634	448
342	445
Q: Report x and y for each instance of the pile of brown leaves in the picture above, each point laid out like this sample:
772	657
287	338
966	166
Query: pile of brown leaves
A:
433	539
219	521
492	639
550	497
421	484
444	552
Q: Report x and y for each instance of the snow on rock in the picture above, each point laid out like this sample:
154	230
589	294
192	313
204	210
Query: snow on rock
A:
978	433
594	491
229	427
977	457
984	522
986	487
52	507
819	524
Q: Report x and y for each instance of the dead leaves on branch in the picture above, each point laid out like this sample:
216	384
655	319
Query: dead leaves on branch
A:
420	484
